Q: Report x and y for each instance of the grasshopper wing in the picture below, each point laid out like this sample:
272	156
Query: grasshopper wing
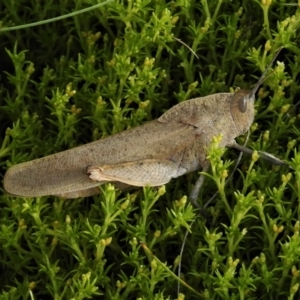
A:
64	173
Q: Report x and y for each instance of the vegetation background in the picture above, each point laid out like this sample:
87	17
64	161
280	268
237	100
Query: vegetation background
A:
126	67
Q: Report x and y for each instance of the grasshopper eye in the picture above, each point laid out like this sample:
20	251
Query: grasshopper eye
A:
242	105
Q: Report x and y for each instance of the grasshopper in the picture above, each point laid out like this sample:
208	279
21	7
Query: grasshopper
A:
148	155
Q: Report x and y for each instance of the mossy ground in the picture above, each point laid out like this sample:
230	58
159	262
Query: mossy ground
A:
126	68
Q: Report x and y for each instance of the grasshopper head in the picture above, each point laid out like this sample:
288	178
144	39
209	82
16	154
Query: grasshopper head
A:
242	109
242	103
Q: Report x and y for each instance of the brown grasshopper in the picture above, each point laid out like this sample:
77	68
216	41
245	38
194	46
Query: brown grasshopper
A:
148	155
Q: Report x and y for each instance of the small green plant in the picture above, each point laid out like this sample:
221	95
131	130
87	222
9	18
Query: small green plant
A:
79	79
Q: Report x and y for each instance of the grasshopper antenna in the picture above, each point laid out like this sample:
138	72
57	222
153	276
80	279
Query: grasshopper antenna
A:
184	44
262	77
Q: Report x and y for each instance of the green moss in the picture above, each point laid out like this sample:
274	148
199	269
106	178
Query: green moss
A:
83	78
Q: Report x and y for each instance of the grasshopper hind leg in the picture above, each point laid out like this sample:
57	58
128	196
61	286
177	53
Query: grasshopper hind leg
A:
147	172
